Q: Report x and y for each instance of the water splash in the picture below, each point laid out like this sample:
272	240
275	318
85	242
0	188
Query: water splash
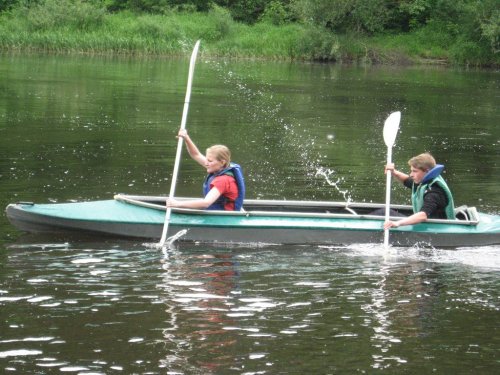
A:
281	139
175	237
327	175
169	243
486	258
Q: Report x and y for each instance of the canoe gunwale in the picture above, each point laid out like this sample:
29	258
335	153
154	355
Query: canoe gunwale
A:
139	200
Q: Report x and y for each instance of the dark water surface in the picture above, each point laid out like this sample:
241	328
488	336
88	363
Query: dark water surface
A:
80	128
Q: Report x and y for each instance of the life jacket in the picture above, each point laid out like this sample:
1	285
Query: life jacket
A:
235	171
432	177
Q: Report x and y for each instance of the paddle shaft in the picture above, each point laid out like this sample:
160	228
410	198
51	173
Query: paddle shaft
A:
388	196
179	142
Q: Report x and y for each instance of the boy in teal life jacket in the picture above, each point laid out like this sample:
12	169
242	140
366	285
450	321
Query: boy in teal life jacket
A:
224	186
431	197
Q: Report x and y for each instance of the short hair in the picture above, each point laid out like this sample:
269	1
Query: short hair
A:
221	153
424	162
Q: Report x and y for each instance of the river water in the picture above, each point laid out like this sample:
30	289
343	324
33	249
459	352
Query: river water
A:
82	128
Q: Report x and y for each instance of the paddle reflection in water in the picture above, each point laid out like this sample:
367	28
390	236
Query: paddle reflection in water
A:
406	308
401	298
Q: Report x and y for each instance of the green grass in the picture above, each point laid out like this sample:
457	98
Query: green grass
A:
433	45
126	33
94	31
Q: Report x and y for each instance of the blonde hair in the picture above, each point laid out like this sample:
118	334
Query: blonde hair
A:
221	153
424	162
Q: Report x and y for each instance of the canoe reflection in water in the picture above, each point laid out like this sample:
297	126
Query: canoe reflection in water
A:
199	293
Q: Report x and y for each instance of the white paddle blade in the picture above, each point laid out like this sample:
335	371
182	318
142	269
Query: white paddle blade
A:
391	127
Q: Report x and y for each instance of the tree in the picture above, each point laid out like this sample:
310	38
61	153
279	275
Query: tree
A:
343	16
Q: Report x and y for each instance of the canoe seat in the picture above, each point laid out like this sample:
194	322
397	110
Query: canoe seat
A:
464	213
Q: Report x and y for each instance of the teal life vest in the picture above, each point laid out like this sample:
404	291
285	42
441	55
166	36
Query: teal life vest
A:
432	177
235	171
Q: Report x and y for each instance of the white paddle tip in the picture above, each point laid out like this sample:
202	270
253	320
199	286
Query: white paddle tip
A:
391	127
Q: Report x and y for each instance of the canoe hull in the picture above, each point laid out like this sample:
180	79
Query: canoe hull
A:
115	218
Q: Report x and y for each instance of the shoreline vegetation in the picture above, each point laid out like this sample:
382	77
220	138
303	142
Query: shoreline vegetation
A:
76	26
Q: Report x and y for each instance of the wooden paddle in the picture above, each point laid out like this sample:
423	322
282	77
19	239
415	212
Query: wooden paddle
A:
391	127
179	142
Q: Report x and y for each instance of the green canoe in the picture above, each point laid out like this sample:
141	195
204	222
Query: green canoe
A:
262	221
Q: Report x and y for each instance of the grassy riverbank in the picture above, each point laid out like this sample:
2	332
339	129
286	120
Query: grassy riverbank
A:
89	30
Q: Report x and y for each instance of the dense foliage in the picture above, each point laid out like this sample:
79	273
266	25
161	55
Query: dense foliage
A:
461	31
